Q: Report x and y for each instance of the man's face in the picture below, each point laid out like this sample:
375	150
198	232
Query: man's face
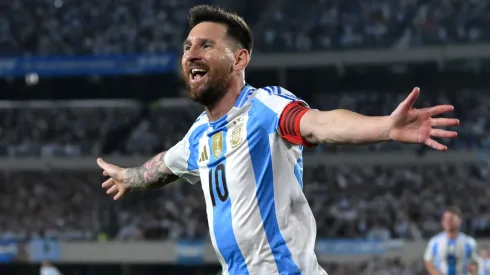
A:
450	222
207	63
484	253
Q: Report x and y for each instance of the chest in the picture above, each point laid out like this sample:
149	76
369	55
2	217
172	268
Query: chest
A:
224	143
457	250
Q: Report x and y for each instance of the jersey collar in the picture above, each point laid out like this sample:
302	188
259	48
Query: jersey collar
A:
242	98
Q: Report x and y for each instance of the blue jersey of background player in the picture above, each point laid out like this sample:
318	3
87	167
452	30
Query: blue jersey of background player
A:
451	252
484	263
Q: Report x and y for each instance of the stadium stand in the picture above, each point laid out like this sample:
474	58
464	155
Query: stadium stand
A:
373	202
369	201
80	130
331	24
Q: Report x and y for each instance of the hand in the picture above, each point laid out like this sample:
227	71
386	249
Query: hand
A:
411	125
116	184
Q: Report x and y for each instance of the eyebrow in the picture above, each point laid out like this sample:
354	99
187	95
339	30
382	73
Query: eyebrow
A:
201	40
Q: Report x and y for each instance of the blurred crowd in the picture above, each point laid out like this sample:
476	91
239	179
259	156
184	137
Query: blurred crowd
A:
76	131
67	27
327	24
373	202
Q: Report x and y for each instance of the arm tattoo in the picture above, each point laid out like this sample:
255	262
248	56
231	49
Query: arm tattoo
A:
153	174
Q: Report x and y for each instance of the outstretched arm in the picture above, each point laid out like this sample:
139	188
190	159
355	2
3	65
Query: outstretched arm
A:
344	127
405	124
152	174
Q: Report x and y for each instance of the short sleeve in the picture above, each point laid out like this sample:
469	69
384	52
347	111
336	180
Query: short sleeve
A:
289	110
277	98
429	251
179	160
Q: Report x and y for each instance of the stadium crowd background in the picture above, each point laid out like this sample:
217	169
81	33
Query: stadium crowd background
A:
352	201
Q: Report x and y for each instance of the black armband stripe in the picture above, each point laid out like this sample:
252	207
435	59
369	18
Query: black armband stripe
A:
291	117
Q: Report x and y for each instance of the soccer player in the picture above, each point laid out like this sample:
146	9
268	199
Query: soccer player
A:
451	252
484	264
246	149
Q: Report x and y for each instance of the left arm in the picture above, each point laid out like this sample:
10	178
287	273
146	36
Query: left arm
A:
344	127
301	125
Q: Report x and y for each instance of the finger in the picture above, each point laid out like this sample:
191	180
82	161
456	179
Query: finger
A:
436	145
108	183
112	190
102	164
407	104
106	166
104	173
439	110
440	133
444	122
119	195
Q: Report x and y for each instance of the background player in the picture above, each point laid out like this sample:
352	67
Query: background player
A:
484	263
451	252
246	151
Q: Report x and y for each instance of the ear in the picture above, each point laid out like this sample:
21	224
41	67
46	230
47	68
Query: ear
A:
242	57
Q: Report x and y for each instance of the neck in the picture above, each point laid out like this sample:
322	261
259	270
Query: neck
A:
224	105
452	234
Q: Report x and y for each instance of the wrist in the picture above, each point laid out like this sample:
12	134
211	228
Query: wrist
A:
388	130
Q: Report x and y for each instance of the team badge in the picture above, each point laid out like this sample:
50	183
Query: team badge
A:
217	141
236	136
237	133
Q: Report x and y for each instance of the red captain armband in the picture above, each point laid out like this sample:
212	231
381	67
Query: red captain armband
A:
289	124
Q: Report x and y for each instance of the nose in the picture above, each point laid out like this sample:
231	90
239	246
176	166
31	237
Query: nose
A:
192	55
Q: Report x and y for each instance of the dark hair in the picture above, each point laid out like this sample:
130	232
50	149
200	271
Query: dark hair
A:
237	27
455	210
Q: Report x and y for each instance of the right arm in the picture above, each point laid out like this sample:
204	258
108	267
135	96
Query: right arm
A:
429	259
178	163
151	175
173	165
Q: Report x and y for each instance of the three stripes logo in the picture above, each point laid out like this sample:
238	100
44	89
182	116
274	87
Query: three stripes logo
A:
204	154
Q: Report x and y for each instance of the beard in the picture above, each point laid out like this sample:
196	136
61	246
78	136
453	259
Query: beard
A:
213	89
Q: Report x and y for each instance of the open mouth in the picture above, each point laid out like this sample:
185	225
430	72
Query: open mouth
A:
197	74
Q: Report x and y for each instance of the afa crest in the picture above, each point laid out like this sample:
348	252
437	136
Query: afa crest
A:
237	133
217	142
236	136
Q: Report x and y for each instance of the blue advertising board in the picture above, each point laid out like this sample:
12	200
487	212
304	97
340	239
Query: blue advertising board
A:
8	250
88	65
43	250
356	247
190	252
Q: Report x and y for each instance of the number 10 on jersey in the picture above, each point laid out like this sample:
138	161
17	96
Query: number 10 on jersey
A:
217	183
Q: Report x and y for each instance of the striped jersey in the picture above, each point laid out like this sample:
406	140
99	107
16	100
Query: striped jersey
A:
259	219
484	267
452	256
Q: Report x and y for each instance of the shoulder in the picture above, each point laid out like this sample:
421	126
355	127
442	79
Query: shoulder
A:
275	98
436	238
197	129
269	93
470	240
